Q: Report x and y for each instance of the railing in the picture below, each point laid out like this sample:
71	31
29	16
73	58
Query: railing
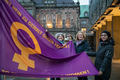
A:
27	3
73	29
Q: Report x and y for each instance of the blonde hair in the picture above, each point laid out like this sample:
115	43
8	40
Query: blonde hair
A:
84	36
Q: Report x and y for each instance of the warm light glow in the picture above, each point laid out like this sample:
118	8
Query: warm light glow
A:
38	16
68	21
83	30
49	20
92	32
58	20
48	78
49	25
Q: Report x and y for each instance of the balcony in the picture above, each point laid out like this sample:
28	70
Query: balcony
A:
73	29
27	4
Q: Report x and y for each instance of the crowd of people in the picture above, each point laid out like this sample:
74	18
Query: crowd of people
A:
103	54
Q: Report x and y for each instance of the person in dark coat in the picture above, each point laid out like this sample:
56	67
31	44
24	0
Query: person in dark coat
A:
81	45
104	56
60	38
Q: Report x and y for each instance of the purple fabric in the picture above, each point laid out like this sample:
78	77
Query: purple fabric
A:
26	49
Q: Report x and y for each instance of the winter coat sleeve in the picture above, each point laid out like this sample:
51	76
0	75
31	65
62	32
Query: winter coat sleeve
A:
93	54
107	59
86	48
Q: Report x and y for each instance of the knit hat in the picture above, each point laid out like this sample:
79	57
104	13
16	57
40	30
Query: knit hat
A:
56	36
108	33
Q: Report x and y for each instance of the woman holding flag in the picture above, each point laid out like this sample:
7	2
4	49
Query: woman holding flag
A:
60	38
104	56
81	45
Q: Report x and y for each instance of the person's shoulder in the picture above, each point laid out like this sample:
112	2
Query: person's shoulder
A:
85	41
110	46
74	41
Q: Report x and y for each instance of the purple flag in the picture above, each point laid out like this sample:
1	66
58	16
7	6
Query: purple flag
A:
26	49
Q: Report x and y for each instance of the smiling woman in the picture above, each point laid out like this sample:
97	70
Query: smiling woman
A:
81	45
104	56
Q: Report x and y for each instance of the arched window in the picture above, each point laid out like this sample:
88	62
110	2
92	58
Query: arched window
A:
83	22
59	20
45	1
40	18
86	14
30	11
67	21
48	1
49	20
83	30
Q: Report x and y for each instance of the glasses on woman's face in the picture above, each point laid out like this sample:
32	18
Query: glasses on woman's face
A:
80	35
103	35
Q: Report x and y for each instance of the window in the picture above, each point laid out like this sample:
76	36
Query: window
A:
58	20
67	21
48	1
49	20
26	0
30	11
40	18
83	22
20	0
45	1
52	1
92	32
85	13
83	30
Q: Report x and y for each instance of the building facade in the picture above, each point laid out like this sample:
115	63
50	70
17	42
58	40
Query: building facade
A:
84	18
55	15
105	15
84	26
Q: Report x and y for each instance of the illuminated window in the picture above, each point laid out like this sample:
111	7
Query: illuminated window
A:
58	20
40	18
92	32
49	20
83	22
67	21
83	30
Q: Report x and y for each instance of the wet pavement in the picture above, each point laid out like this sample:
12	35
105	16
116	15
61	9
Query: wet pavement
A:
115	75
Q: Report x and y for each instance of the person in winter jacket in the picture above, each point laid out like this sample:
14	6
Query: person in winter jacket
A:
60	38
104	56
81	45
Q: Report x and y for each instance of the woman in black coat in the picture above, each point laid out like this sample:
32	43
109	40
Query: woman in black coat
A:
104	56
81	45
